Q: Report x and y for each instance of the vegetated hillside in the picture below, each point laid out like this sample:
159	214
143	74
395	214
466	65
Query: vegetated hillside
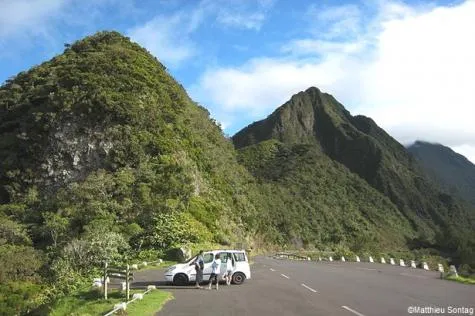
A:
318	121
318	202
452	171
102	156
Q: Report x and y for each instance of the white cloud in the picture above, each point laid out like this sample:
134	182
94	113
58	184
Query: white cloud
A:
27	15
252	21
304	47
167	37
332	22
242	14
170	37
410	68
263	83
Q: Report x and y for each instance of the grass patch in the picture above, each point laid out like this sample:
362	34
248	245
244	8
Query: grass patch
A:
87	303
164	264
461	279
151	303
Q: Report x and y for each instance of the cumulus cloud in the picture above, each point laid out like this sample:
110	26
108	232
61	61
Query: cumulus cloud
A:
410	68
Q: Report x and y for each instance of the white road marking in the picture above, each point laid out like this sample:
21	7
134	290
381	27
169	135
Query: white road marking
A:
352	310
309	288
413	275
272	269
369	269
284	276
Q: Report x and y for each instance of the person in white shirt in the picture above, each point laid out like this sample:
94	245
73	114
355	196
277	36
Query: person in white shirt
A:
215	270
229	268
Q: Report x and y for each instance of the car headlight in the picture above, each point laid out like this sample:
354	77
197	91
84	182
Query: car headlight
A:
171	269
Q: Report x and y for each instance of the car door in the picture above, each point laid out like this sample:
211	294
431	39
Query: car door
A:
208	259
225	256
190	269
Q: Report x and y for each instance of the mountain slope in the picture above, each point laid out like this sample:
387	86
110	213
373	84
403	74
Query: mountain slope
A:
317	119
453	171
102	137
314	201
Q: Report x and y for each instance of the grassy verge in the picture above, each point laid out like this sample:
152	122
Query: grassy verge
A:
461	279
90	303
151	303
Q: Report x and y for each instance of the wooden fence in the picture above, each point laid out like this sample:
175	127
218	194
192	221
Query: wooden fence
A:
121	273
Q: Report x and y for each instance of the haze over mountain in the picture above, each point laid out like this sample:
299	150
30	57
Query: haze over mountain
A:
454	172
104	157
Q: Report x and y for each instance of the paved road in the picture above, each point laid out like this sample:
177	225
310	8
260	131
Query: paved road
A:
281	287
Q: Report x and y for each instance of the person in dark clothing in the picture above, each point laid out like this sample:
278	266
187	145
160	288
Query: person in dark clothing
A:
199	266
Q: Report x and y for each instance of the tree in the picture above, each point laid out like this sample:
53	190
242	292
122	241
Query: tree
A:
55	226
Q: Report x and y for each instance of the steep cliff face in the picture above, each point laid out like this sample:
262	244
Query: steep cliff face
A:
317	119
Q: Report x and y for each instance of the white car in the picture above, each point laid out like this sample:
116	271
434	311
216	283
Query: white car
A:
184	273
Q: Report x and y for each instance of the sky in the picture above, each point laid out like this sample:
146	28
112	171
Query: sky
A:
409	65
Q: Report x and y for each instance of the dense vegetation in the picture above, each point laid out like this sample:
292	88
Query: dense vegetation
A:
104	157
317	202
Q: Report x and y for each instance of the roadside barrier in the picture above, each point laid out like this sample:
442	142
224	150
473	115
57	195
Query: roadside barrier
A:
413	264
440	268
287	255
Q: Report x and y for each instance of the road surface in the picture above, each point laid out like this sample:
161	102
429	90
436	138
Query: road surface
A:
284	287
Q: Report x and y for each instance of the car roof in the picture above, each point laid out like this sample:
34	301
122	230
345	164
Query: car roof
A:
224	250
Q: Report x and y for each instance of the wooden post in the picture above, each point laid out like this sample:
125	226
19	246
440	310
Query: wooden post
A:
127	285
105	280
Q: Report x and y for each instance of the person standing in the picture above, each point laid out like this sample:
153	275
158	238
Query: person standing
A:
229	268
199	266
215	270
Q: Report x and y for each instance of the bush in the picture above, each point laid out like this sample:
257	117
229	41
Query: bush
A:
344	251
18	298
149	255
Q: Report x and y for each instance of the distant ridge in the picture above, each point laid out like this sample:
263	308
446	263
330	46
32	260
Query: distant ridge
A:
453	171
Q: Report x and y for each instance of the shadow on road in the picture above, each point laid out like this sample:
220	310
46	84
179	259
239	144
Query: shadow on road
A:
166	285
160	285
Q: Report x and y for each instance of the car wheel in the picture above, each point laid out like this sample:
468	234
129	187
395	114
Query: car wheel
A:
238	278
180	279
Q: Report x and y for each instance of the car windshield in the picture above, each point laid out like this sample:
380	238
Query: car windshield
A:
191	260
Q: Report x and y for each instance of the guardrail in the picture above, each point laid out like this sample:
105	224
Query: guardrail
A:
288	255
392	261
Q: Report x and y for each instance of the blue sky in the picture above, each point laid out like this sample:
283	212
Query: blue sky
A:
407	64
